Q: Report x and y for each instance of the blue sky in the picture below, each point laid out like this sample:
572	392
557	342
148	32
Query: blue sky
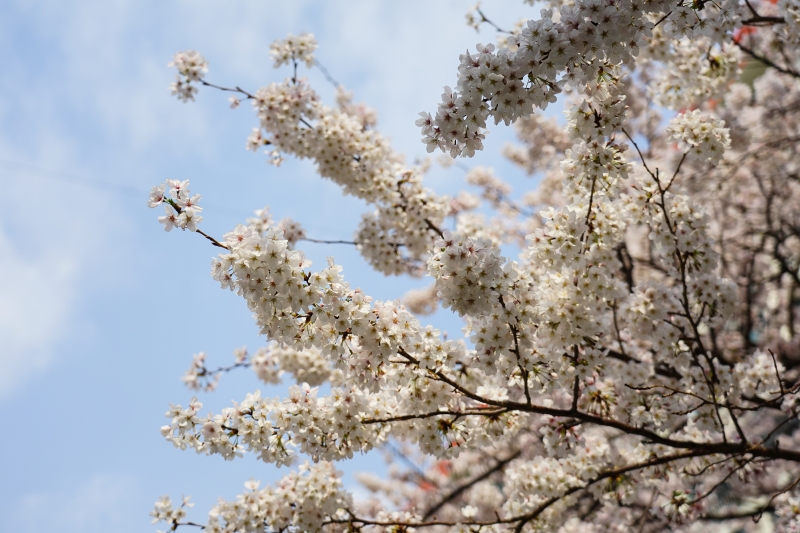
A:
100	310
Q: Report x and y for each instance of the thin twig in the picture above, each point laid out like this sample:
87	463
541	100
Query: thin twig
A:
641	156
490	23
464	486
214	241
766	60
326	74
323	241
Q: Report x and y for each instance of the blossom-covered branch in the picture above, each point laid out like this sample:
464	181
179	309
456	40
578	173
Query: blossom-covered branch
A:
635	366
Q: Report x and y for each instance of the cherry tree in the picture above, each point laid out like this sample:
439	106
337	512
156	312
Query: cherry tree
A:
636	367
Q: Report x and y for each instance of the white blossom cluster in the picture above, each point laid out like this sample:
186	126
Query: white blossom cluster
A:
463	202
635	369
520	324
197	376
476	226
492	188
306	309
788	513
575	246
541	479
303	501
270	363
294	49
367	116
545	140
180	207
292	230
790	10
692	71
547	56
271	428
468	274
704	136
192	67
399	231
307	366
395	237
422	301
165	511
757	376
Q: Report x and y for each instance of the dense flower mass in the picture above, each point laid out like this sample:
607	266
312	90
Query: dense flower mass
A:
468	273
701	135
563	51
294	49
631	350
395	236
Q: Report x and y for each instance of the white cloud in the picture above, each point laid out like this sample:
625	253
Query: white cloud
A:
35	298
55	250
100	504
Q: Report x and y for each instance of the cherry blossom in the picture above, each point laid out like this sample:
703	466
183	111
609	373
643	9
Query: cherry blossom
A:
630	357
